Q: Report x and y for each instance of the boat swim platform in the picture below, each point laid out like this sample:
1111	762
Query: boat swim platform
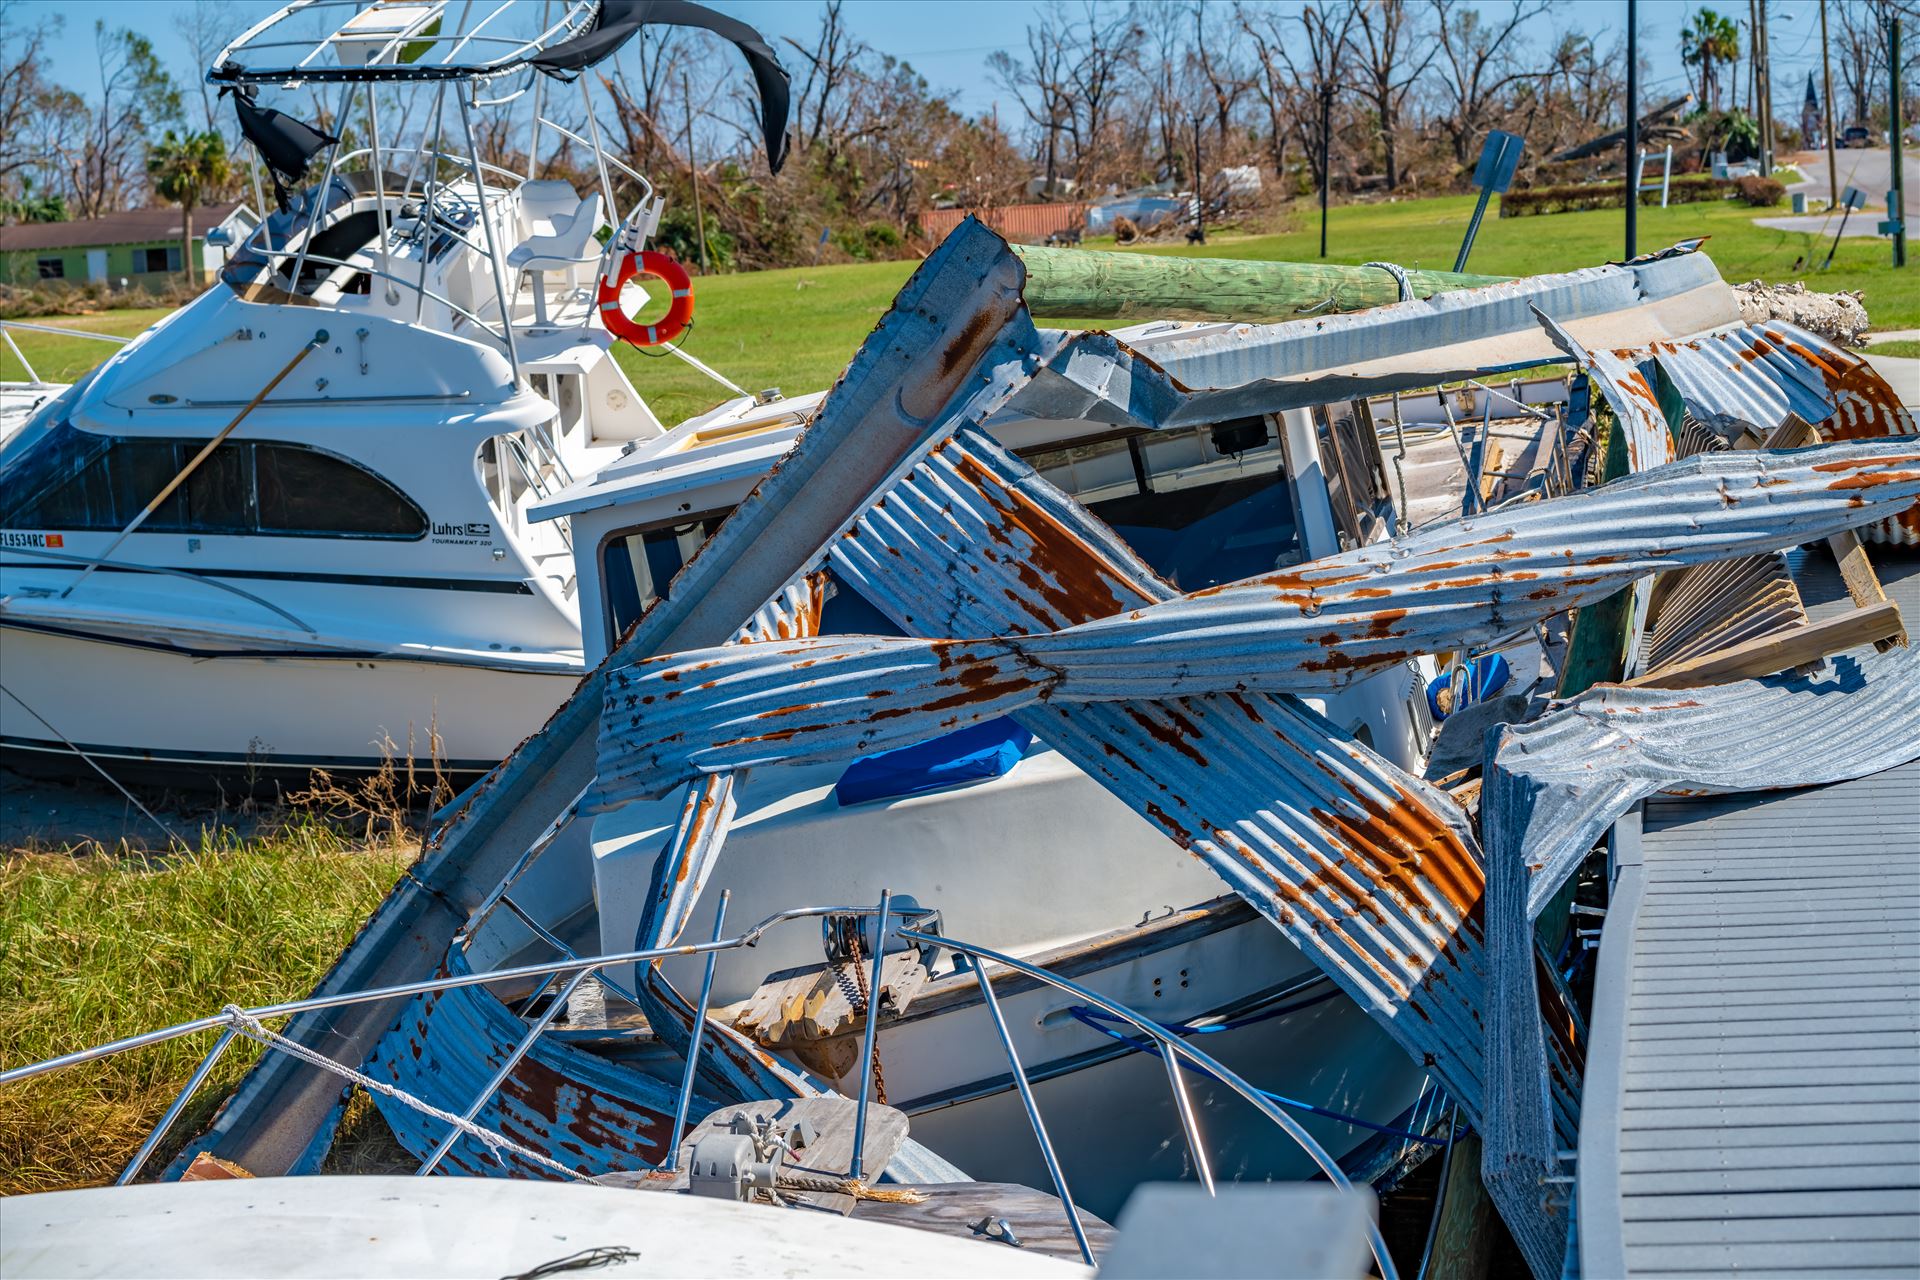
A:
1752	1096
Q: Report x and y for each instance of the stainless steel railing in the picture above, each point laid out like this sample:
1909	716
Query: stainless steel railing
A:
576	969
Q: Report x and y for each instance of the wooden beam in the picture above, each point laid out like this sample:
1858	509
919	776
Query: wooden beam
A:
1085	284
1781	651
1863	584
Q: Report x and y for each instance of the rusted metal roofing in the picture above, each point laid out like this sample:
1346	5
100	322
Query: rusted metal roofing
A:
1756	375
1310	628
577	1107
1553	787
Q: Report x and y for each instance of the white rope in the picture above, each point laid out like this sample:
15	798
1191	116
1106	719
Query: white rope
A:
249	1026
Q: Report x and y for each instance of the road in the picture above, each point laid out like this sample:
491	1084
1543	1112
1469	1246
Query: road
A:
1871	170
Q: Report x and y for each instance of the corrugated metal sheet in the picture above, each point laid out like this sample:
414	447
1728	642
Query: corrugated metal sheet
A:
574	1106
1759	1016
1554	786
1714	606
1311	628
1755	375
1022	223
1371	871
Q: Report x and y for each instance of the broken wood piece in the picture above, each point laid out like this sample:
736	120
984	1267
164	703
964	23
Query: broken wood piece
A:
1863	584
1779	652
817	1003
211	1168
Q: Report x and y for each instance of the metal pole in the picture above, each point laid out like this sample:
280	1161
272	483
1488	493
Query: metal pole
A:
194	1081
493	249
319	193
1326	162
1199	187
379	176
599	156
1833	136
520	1051
21	356
693	176
319	337
693	1041
1633	128
1473	229
870	1037
1188	1124
1033	1112
1897	198
539	83
426	210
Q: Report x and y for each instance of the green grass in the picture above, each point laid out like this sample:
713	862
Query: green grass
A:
797	328
94	946
1906	347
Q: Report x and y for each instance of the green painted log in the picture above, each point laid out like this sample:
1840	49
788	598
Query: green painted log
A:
1084	284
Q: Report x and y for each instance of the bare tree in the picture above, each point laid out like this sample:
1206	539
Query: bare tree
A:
824	103
1226	80
205	29
1387	65
1040	83
1311	80
1476	62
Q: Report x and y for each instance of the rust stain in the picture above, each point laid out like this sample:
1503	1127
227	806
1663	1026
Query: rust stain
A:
1076	582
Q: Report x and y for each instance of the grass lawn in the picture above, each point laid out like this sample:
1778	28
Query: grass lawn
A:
94	946
797	328
1907	347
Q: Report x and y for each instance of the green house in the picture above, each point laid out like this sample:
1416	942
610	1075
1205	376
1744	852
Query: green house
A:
138	248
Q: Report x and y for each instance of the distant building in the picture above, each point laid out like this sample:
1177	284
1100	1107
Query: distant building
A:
1811	133
141	246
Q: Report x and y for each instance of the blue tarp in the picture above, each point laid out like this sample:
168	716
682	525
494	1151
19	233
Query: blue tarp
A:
972	754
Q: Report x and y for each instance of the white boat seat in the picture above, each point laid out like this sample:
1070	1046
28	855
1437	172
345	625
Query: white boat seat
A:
568	247
543	201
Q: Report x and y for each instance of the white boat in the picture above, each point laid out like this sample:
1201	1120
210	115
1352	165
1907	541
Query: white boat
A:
408	356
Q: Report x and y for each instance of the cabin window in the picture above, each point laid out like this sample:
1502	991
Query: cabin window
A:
637	566
1356	472
73	479
1202	507
52	268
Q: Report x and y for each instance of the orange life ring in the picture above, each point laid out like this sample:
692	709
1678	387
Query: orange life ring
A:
661	268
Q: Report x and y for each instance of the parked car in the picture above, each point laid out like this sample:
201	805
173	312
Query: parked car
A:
1856	136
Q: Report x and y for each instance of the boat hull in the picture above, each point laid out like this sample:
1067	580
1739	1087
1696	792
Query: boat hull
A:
157	710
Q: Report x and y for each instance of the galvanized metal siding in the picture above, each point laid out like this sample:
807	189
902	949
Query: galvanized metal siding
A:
1767	1113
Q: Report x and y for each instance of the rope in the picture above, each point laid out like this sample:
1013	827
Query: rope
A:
1399	274
1085	1015
593	1259
788	1180
248	1025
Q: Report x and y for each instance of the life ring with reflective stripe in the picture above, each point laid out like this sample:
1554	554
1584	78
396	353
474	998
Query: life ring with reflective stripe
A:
668	272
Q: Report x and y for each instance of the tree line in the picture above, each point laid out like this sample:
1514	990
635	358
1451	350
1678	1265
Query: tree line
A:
1375	98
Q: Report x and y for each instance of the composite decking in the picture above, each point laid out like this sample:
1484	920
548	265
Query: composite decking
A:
1752	1099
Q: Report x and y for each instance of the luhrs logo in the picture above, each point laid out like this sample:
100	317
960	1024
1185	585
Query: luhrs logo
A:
472	533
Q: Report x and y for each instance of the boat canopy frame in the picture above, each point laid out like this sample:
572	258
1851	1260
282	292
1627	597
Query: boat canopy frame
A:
298	59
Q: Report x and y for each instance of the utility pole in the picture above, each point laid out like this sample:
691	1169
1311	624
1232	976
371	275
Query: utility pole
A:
1765	92
1896	198
693	174
1326	155
1833	137
1633	129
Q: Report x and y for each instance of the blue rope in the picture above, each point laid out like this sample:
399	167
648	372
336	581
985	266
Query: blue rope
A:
1096	1018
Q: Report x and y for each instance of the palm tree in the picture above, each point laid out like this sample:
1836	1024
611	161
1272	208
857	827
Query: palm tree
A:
1706	43
184	169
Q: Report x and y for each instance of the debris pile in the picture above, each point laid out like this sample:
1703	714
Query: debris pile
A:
1839	317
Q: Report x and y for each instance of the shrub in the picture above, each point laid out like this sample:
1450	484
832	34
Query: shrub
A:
1759	192
1688	188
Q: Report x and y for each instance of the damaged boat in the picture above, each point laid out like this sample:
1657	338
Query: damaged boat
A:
288	526
1170	554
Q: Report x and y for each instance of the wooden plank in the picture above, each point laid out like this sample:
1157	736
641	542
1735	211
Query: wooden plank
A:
1463	1242
1782	651
1091	285
1863	584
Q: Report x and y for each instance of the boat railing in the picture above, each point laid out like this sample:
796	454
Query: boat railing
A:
570	970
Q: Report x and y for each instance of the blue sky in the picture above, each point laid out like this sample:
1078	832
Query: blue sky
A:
949	43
